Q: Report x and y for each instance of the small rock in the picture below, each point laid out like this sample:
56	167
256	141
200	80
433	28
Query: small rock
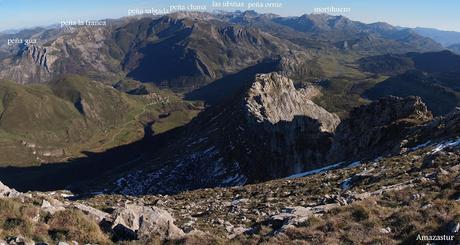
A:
17	241
455	228
238	231
289	216
385	230
455	168
443	172
52	206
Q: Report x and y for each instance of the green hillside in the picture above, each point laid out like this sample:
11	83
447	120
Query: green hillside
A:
43	123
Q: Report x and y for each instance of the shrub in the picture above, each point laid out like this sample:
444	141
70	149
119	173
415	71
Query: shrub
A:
360	213
73	225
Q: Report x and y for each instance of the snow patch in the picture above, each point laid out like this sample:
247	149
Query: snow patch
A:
446	144
354	164
420	146
316	171
346	184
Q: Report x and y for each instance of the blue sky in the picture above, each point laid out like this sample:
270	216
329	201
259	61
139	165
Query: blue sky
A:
441	14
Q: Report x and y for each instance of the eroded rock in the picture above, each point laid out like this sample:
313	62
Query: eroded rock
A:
141	222
5	191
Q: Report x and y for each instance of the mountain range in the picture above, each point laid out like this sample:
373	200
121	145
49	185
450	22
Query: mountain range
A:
125	46
445	38
229	127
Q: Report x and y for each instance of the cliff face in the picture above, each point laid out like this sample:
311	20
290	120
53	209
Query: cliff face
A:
273	130
268	131
273	98
378	128
289	129
32	63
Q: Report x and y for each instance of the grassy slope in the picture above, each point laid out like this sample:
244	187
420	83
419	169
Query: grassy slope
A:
75	114
343	82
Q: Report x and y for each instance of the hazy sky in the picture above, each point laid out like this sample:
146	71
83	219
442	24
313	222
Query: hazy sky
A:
441	14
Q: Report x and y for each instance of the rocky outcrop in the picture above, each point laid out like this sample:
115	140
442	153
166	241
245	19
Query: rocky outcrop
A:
286	126
52	206
5	191
299	65
127	221
38	55
141	222
273	98
31	63
378	129
268	131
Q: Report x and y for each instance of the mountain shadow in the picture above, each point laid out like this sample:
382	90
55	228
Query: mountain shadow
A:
228	86
80	175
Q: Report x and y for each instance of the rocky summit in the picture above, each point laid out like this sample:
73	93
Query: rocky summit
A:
273	98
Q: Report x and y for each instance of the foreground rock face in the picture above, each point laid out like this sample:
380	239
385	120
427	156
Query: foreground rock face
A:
126	222
325	208
332	206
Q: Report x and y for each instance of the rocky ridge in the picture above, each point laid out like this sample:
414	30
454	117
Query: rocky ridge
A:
234	42
378	128
273	98
228	144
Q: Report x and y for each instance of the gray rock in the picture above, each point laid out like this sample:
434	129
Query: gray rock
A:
455	168
18	241
386	230
140	222
273	98
442	172
290	216
5	191
96	214
52	206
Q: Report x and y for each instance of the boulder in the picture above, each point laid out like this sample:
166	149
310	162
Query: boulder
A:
52	206
292	216
96	214
141	222
289	216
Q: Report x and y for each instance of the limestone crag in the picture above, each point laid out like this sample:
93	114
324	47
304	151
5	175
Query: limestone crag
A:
274	98
229	144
